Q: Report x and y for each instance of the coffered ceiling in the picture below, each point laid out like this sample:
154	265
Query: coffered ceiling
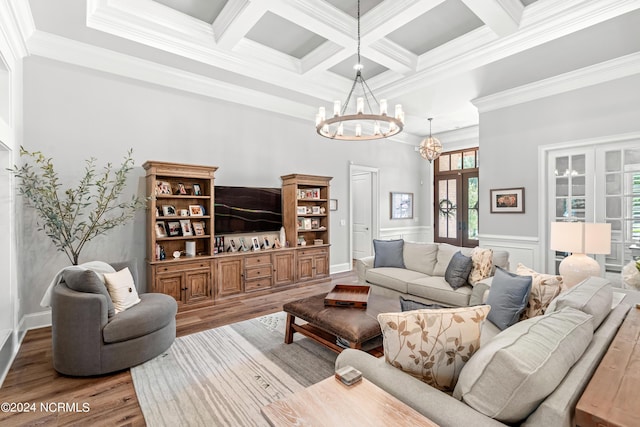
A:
291	56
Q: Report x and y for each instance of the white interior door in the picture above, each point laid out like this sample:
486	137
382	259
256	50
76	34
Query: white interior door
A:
361	190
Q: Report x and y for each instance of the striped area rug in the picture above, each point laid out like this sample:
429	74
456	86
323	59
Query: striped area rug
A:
223	376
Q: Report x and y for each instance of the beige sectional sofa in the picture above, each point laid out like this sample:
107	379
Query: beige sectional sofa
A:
531	374
422	279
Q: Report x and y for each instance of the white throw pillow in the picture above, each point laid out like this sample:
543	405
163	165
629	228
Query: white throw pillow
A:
544	288
122	289
432	344
516	370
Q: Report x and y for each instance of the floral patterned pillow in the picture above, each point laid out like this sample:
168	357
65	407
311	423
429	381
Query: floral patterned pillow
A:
432	344
482	259
544	288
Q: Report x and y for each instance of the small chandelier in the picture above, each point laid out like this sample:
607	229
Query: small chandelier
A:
430	147
366	124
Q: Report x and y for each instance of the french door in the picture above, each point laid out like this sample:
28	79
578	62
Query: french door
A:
456	202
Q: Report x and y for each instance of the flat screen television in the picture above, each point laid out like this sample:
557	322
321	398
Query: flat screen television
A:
247	209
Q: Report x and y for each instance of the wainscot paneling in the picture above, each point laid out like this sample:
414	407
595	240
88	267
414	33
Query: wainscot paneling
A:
525	250
410	234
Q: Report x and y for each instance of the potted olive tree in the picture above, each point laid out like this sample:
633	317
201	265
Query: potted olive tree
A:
73	216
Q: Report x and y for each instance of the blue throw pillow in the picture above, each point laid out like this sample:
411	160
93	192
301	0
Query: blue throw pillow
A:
508	297
458	270
389	253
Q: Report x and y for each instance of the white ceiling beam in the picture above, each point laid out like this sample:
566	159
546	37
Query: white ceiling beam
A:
318	17
235	20
323	57
502	16
391	55
388	16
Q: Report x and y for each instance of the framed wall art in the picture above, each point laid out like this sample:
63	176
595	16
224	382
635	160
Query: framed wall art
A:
401	205
507	200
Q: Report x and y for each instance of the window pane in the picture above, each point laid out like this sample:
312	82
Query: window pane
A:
472	208
447	205
578	164
612	160
562	166
443	162
577	186
613	208
561	208
562	186
456	161
469	160
613	184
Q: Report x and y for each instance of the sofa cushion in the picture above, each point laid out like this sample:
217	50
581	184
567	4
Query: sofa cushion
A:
154	312
420	256
500	259
515	371
409	305
482	259
392	278
388	253
544	288
508	297
122	289
593	296
458	270
88	281
445	253
432	345
437	289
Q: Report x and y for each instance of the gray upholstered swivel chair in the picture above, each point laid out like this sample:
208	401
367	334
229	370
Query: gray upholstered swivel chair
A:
87	342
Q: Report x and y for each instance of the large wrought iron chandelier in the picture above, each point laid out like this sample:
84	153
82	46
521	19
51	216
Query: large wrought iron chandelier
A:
364	124
430	147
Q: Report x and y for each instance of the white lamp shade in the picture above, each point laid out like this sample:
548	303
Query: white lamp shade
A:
597	239
580	237
567	237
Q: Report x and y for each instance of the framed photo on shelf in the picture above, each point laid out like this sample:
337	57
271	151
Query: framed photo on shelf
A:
158	211
181	189
401	205
242	247
301	210
333	204
185	226
197	191
168	210
232	246
315	210
198	228
161	230
315	223
163	187
174	228
507	200
265	242
195	210
255	243
306	224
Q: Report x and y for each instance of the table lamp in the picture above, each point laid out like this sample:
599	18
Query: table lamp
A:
580	239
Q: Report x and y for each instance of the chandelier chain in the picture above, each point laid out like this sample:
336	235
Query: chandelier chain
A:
359	35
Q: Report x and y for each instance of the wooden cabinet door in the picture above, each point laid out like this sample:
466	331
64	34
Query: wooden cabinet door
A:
170	284
198	286
321	264
228	277
283	267
305	267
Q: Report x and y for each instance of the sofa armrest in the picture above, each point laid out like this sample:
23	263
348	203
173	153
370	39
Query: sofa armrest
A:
478	295
436	405
362	265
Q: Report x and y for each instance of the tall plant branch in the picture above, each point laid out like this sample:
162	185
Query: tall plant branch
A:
86	211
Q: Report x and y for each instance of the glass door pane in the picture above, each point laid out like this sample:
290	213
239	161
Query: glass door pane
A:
447	209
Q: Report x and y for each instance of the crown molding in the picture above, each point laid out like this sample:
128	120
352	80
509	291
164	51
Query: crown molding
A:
588	76
69	51
391	55
469	133
16	24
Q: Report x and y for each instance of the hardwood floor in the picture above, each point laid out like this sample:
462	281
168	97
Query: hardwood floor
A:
111	399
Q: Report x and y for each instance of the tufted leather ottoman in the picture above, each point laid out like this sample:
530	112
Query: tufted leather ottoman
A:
324	324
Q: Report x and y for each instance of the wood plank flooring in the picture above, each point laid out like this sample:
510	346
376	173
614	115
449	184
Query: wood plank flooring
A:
111	399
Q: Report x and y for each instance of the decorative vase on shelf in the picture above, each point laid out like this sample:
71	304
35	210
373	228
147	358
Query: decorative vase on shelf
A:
283	236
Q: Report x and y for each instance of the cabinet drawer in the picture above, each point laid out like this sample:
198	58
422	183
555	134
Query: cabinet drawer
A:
253	261
261	271
254	285
312	252
173	268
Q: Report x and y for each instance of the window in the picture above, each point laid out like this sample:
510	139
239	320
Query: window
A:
456	202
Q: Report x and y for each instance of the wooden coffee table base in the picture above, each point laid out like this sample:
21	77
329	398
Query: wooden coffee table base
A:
318	335
331	403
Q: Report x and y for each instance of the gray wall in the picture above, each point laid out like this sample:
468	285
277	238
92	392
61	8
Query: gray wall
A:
72	113
510	138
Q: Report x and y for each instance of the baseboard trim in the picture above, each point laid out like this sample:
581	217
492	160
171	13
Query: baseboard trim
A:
41	319
340	268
